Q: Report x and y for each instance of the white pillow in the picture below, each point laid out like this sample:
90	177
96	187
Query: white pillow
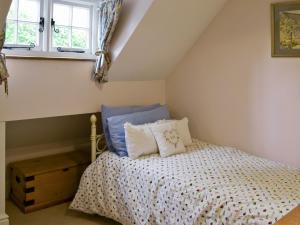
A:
139	140
168	139
183	129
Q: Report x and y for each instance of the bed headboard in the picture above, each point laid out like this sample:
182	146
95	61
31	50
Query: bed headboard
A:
98	144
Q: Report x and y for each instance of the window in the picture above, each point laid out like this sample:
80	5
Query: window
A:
72	25
51	27
23	24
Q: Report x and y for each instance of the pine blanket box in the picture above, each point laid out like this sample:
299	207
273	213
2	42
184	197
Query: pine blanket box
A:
46	181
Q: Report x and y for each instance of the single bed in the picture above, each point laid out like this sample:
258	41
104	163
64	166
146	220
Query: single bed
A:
207	185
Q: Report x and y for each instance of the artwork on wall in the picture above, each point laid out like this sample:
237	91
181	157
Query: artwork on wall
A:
286	29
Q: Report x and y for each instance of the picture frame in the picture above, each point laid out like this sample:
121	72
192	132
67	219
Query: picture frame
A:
286	29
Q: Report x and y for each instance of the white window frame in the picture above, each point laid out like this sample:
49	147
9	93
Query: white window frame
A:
45	50
40	46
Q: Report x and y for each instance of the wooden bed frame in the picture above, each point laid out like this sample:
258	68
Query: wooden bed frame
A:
98	146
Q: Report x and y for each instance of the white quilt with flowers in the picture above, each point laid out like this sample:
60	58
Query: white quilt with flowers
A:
207	185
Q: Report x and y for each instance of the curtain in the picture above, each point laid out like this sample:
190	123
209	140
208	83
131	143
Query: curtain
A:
109	12
3	69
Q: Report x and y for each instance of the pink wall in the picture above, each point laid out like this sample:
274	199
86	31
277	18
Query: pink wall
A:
50	88
234	92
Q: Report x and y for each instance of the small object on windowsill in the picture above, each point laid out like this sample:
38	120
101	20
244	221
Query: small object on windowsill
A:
22	47
60	49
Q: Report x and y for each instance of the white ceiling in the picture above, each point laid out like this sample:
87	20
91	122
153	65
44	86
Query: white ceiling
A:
162	38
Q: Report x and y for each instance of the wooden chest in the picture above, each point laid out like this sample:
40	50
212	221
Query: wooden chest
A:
292	218
46	181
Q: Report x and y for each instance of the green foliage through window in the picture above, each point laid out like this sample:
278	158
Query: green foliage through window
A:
11	32
72	21
62	39
79	39
27	34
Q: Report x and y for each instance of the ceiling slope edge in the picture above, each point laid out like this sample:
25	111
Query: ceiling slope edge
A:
161	39
132	13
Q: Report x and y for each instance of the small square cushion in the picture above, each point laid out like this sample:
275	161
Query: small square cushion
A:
183	130
108	111
116	125
168	139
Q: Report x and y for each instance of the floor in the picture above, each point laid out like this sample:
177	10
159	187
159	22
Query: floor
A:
56	215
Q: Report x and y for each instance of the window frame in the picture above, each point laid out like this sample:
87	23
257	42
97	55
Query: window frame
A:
17	21
45	50
90	29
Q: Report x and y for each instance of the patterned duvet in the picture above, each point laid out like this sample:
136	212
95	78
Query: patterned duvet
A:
207	185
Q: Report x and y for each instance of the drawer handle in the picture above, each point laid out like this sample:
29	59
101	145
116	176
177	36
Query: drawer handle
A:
29	190
29	203
65	169
30	178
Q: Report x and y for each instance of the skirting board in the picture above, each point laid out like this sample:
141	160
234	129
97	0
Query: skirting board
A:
4	220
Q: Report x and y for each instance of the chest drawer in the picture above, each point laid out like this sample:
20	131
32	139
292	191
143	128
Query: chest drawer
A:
46	181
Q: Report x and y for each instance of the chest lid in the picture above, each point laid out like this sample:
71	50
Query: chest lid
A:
45	164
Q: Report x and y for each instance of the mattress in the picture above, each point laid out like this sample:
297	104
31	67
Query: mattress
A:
208	184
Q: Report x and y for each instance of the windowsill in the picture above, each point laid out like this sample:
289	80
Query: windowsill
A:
13	54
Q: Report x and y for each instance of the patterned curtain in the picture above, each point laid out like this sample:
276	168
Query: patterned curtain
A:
3	69
109	12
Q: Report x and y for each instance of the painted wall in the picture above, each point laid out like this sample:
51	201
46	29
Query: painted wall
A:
49	88
39	137
234	92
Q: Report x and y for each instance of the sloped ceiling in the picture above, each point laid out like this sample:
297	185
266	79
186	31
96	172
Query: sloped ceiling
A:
132	13
162	38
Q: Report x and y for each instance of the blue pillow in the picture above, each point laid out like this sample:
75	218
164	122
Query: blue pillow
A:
116	125
108	111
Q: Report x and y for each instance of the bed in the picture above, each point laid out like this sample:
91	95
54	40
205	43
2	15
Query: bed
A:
208	184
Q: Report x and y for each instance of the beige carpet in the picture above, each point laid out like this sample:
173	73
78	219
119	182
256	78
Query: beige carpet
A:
56	215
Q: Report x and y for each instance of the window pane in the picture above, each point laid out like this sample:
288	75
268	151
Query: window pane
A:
62	14
61	39
29	10
11	32
81	17
12	14
80	38
28	33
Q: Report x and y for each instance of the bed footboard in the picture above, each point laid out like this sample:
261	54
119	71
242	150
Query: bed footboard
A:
98	144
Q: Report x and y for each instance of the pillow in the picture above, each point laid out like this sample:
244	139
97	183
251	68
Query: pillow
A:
139	140
116	125
108	111
183	130
168	139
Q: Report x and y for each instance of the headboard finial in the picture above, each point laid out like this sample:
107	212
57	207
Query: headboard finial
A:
98	144
93	119
93	137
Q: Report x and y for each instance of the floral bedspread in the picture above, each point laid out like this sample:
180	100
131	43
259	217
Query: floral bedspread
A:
207	185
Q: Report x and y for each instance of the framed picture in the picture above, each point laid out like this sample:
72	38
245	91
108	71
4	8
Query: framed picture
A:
286	29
